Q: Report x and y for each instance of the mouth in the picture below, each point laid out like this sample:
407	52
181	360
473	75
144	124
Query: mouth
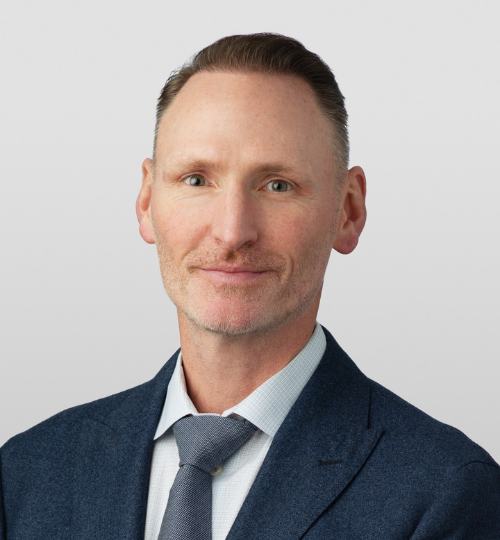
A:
231	274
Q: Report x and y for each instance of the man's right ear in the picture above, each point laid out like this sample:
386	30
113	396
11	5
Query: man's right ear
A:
143	204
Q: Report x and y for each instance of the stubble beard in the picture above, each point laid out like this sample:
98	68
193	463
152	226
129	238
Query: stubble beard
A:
268	307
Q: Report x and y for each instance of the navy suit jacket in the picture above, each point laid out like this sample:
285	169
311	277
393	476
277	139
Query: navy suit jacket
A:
350	461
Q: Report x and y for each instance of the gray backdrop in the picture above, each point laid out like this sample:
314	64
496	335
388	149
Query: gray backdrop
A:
83	312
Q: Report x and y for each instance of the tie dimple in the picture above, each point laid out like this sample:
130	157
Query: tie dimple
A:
204	442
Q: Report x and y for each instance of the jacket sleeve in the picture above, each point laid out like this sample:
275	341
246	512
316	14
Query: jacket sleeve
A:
3	533
466	508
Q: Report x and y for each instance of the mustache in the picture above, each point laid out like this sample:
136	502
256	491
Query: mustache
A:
251	259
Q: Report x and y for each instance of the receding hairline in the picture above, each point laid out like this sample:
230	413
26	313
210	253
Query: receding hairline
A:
271	75
272	54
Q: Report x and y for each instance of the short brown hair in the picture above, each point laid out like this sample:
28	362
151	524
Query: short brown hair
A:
266	53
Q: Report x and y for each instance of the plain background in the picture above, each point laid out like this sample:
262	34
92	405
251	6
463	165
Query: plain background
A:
83	313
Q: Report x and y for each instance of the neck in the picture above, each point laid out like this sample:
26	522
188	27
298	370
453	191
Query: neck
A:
222	370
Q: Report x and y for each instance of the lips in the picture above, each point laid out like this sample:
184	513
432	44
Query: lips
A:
232	269
231	275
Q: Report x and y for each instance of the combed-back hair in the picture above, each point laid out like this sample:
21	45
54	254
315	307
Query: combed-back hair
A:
272	54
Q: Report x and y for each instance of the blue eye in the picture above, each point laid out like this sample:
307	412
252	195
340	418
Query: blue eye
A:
278	186
195	180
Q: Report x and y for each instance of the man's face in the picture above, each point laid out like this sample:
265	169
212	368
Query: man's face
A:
242	202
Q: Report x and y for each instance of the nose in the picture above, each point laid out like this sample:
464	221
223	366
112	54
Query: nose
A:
235	220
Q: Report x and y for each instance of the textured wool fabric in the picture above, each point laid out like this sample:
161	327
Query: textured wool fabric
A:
204	442
266	408
351	461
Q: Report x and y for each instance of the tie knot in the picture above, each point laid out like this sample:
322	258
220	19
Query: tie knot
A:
206	441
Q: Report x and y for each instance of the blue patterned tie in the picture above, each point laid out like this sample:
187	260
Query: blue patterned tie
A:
204	442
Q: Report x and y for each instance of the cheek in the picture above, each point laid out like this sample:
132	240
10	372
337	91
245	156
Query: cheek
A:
175	228
299	233
313	247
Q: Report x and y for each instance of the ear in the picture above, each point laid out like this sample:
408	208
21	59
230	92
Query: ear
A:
143	204
352	216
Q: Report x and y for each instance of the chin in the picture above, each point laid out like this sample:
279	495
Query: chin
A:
228	323
246	320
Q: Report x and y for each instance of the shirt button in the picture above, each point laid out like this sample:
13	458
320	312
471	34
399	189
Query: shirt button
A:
216	471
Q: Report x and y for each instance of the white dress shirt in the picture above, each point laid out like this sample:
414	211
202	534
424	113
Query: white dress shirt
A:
266	407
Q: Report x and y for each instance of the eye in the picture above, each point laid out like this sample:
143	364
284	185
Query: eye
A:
278	186
195	180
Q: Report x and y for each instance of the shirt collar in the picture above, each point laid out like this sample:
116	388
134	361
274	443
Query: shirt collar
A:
267	406
177	403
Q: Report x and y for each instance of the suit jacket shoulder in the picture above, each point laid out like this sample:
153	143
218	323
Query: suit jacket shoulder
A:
421	436
62	430
84	472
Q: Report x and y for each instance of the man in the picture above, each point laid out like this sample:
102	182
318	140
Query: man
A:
277	432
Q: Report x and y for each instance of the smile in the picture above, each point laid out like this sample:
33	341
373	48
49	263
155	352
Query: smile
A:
231	275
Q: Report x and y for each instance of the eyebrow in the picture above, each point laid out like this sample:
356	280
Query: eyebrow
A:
204	164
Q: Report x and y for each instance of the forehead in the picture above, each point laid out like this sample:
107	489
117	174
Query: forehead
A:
245	114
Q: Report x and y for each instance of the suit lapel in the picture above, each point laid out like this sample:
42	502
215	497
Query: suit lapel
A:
318	450
113	464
